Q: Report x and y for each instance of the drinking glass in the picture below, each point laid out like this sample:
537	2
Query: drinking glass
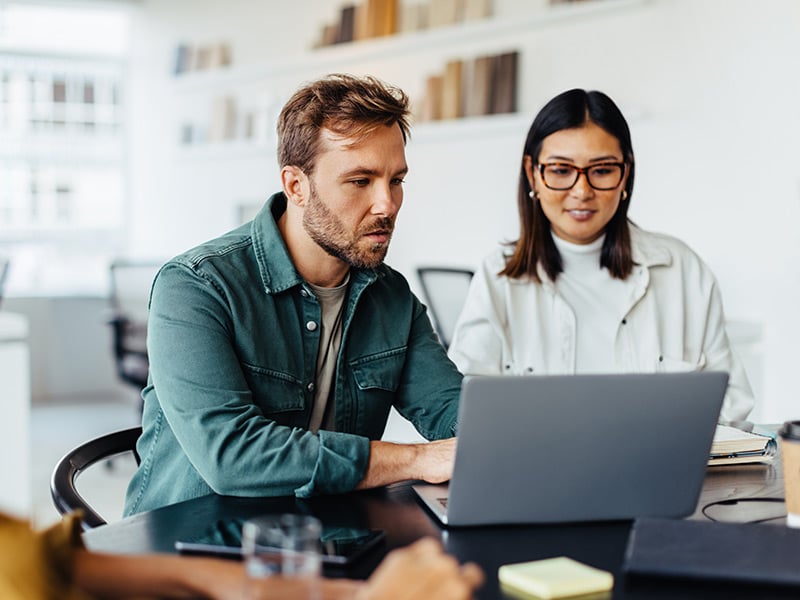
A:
287	545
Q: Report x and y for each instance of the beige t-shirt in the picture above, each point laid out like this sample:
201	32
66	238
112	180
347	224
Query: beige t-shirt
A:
331	302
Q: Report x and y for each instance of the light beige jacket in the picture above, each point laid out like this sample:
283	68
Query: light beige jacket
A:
675	322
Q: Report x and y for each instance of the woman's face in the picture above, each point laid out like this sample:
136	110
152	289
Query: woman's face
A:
580	214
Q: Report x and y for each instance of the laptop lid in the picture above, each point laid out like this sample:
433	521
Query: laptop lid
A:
564	448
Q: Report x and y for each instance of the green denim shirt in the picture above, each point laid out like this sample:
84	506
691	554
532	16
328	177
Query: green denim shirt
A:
233	338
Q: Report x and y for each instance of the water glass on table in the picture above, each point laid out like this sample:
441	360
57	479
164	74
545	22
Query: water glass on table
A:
285	545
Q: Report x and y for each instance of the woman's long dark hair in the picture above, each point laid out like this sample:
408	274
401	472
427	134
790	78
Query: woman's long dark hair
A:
569	110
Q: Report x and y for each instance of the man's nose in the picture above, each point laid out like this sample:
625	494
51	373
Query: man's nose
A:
387	200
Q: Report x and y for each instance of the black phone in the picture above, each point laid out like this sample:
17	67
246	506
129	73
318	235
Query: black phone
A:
340	545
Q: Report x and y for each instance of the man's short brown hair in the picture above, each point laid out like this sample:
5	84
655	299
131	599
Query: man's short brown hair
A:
347	105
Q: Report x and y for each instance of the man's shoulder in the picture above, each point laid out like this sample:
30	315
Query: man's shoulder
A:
222	248
391	278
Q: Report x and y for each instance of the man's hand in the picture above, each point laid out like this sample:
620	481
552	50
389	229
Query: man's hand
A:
422	571
436	460
389	462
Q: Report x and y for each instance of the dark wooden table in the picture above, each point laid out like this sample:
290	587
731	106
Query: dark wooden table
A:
396	510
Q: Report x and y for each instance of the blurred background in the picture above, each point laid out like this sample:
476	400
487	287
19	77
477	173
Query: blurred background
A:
132	130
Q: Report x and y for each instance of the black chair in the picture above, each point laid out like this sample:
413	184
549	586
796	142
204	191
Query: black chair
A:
445	289
130	291
62	483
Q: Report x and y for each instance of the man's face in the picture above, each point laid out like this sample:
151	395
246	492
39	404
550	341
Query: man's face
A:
355	194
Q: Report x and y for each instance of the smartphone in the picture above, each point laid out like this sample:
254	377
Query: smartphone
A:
340	545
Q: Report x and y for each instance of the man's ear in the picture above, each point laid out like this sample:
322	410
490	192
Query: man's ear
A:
295	185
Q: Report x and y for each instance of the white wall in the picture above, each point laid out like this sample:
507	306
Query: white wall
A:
710	88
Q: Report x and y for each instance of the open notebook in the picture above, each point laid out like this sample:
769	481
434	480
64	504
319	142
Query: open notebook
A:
541	449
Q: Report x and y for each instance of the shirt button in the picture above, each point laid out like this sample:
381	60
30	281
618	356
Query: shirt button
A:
311	326
304	292
311	387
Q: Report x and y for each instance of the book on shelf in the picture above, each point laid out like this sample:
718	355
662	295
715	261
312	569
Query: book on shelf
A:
451	91
347	24
442	13
475	10
478	87
734	446
504	83
381	18
222	124
413	17
432	101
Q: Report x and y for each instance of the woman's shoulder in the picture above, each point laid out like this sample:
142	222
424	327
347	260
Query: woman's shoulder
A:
657	245
652	248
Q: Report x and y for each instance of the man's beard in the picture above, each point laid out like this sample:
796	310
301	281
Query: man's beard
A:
328	231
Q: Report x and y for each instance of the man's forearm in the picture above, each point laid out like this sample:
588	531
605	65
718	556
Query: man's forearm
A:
390	462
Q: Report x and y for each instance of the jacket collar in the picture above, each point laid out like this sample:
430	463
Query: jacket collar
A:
647	250
278	272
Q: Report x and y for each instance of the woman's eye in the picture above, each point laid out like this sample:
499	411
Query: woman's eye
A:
560	171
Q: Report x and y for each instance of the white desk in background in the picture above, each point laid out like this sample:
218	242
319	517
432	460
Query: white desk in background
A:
15	400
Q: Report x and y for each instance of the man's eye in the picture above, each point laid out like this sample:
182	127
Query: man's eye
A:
398	181
360	182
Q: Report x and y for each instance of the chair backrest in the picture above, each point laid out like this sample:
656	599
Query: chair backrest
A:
4	264
62	483
130	292
445	289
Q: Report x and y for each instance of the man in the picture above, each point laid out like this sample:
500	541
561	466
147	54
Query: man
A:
277	350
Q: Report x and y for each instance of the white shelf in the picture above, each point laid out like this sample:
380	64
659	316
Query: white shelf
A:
496	31
416	42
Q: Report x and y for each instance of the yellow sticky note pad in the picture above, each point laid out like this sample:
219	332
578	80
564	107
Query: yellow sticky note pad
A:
559	577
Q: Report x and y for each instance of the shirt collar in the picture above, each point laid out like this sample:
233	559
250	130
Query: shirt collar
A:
278	272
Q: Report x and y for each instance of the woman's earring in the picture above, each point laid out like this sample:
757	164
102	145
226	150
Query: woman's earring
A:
624	195
533	195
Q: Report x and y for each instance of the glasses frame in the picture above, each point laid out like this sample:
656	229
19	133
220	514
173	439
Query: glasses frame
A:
581	171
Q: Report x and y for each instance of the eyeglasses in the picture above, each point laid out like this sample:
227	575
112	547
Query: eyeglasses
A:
562	176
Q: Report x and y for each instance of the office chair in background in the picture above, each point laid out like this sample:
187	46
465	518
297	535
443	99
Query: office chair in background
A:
4	265
130	291
63	490
445	289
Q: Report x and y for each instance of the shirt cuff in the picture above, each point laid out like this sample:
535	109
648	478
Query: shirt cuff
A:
341	464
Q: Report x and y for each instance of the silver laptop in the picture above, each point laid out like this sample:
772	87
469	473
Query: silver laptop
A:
563	448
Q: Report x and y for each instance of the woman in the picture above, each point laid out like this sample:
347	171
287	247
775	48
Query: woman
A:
583	290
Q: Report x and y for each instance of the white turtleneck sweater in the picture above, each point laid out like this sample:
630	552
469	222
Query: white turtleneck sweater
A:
598	300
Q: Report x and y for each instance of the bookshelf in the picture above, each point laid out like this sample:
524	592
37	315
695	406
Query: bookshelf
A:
256	91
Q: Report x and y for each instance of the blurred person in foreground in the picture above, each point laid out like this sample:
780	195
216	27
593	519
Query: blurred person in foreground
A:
54	565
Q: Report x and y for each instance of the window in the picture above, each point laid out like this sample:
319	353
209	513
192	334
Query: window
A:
62	125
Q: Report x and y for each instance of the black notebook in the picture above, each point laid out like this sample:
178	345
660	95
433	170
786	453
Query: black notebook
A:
744	552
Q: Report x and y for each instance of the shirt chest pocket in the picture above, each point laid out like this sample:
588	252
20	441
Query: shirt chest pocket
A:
280	396
377	378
